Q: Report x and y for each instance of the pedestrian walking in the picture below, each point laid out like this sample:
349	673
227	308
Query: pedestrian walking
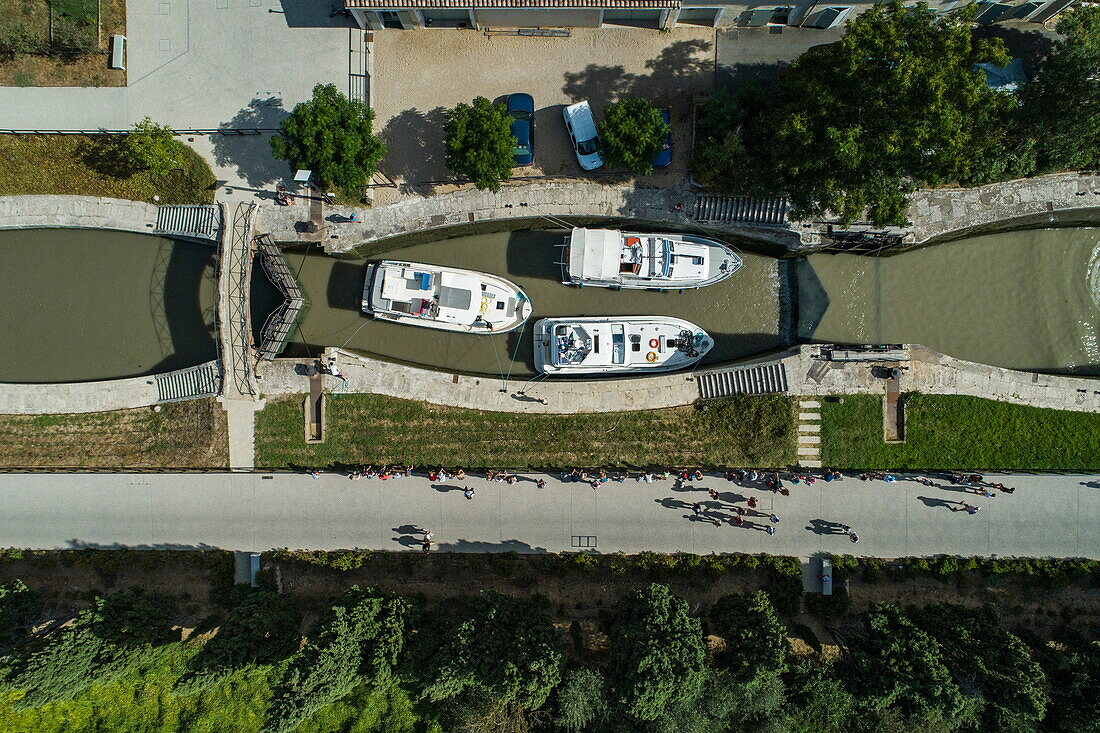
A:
738	520
713	494
769	529
697	508
854	537
468	493
427	535
774	518
752	502
426	545
540	483
970	508
845	529
925	481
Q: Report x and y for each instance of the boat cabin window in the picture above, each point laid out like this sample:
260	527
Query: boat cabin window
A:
500	305
618	345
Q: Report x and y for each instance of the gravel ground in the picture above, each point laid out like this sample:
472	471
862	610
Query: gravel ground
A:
420	73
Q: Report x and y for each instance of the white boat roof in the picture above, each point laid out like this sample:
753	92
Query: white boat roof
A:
594	253
458	295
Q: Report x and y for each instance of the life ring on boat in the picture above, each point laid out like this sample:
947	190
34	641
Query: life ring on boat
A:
654	343
651	356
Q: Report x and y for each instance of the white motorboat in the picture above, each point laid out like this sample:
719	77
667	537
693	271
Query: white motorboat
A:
617	344
612	259
443	297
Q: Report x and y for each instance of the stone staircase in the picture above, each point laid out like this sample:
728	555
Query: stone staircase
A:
195	221
203	380
809	434
762	379
742	209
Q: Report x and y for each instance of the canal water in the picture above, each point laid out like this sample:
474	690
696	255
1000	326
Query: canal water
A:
1024	300
742	313
81	305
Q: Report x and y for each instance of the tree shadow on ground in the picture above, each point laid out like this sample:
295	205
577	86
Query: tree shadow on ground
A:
106	155
678	70
251	154
415	153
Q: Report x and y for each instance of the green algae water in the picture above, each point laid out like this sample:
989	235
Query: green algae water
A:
83	305
742	313
1024	300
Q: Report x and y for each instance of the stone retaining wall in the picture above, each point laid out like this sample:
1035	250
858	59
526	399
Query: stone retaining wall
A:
76	212
953	213
929	372
43	399
532	204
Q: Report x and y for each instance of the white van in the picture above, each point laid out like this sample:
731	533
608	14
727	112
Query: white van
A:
582	133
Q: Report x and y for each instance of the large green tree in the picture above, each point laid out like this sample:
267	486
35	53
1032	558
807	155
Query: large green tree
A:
1061	108
657	655
504	649
756	640
357	642
853	127
480	144
101	644
261	629
332	136
632	132
900	671
997	667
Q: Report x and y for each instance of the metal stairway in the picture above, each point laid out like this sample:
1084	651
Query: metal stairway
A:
204	380
763	379
741	209
198	221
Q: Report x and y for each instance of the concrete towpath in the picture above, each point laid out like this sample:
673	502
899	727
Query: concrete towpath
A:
1047	516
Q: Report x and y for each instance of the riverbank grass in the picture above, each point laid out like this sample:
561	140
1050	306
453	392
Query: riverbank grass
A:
90	165
191	434
955	432
366	428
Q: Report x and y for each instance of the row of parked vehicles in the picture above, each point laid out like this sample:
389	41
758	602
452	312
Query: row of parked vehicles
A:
581	127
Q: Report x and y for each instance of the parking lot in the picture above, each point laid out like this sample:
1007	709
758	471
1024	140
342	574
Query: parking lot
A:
418	74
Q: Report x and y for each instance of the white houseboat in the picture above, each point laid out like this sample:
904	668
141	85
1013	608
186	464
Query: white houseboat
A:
612	259
443	297
617	344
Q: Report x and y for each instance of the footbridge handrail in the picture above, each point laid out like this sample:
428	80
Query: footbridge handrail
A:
280	324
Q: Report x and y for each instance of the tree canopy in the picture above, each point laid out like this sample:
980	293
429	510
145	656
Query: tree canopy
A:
261	629
480	144
1062	106
332	136
505	649
852	127
657	654
632	132
149	146
357	642
756	640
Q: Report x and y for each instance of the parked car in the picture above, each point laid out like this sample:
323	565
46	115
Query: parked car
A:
663	158
521	107
582	133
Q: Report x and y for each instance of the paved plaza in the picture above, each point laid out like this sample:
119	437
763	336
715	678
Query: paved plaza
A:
1047	516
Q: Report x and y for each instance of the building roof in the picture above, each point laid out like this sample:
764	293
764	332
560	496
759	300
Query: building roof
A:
513	4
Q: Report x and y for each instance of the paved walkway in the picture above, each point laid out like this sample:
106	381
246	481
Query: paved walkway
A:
1047	516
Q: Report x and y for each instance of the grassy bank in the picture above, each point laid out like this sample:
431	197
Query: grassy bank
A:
190	434
959	432
745	431
82	165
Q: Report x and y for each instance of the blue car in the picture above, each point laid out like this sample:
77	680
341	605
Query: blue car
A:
521	108
663	158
